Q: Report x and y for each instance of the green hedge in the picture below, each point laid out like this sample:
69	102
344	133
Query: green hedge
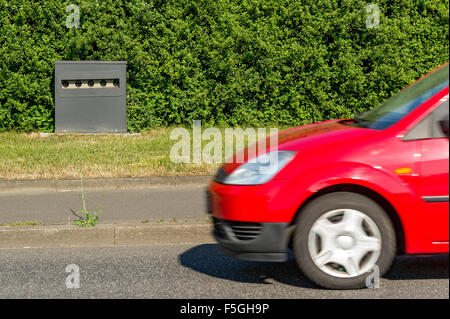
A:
251	62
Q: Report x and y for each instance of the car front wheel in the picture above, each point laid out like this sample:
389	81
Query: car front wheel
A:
341	238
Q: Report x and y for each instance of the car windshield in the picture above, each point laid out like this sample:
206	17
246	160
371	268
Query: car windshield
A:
399	105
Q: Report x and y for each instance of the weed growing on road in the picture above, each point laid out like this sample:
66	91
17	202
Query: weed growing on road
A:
208	219
21	224
88	219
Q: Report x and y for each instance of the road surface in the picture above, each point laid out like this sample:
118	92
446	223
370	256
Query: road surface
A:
50	208
192	271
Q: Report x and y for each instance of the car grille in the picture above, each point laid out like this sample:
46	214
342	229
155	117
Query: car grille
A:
240	230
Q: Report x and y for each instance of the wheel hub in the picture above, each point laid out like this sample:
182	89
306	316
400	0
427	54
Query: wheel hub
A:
346	239
345	242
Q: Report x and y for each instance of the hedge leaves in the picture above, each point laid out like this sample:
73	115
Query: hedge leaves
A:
250	63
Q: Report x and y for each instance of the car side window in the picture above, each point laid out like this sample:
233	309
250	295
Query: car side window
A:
429	127
439	114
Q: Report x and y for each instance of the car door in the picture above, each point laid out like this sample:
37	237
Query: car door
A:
433	180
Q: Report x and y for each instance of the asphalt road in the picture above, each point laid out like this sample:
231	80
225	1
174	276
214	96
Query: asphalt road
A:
199	271
50	208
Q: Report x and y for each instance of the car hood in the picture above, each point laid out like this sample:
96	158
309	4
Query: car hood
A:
294	139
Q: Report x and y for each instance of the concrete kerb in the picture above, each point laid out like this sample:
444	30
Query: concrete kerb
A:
104	235
58	185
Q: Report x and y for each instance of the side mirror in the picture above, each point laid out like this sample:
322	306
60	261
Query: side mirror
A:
444	127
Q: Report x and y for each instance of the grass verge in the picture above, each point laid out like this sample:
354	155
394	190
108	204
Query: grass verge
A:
29	156
34	156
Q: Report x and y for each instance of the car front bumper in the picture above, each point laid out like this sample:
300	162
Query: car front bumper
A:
252	241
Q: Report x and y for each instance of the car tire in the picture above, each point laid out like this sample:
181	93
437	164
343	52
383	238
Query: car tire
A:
320	242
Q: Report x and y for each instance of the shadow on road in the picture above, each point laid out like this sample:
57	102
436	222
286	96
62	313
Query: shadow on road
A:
428	267
209	259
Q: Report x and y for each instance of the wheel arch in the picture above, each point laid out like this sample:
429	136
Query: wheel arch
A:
362	190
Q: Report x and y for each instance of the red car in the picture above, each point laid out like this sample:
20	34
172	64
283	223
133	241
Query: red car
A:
346	195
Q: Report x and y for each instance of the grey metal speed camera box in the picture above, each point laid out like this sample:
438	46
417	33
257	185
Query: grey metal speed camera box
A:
90	97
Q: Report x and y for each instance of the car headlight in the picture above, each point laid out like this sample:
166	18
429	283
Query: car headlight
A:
260	169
